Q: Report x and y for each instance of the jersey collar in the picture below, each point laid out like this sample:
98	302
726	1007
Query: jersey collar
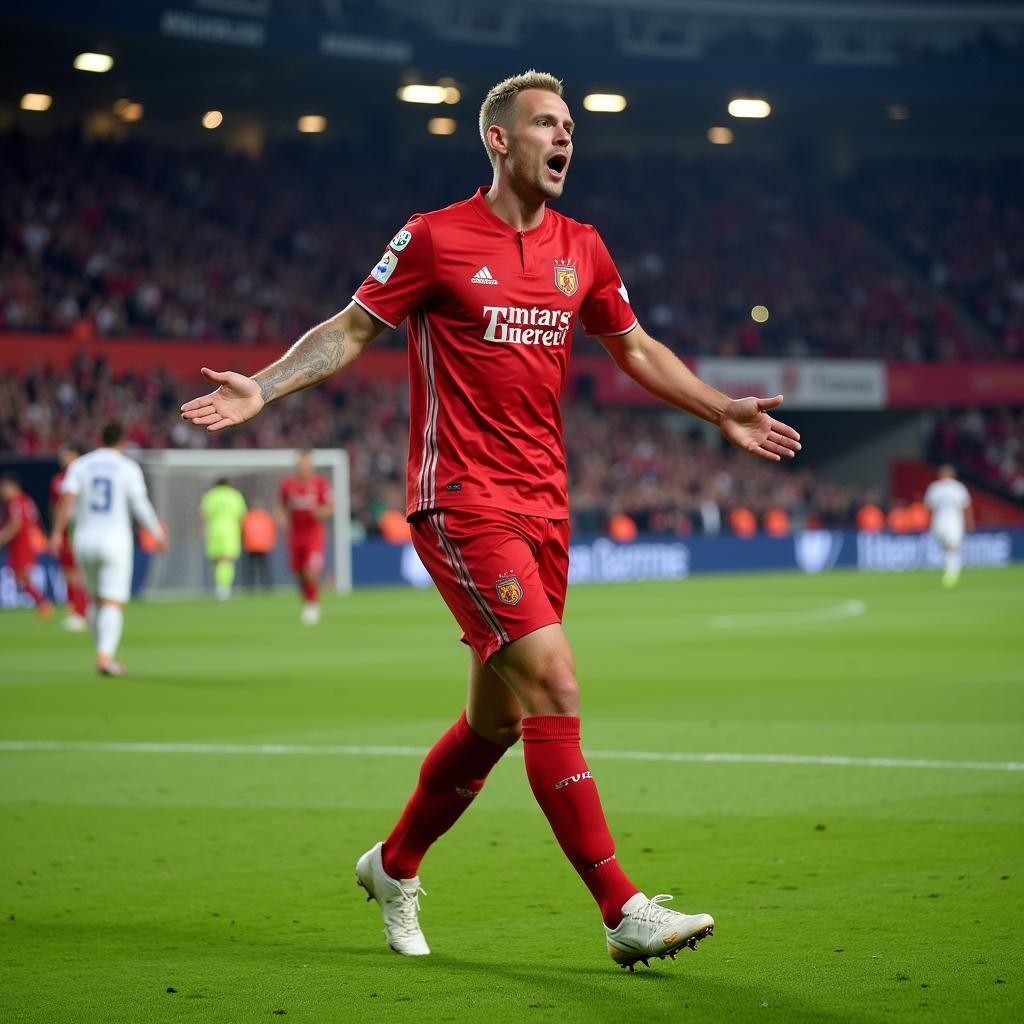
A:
482	207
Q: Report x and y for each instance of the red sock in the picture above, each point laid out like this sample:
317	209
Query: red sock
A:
452	774
568	796
310	590
32	590
78	599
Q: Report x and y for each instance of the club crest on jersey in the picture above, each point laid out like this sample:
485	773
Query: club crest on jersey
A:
509	590
566	280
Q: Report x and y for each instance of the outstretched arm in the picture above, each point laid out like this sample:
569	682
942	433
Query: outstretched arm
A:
317	355
744	422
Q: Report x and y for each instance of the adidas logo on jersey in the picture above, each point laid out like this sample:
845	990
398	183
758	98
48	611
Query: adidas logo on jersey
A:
483	276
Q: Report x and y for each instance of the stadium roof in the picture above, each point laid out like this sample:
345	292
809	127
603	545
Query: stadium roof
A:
241	57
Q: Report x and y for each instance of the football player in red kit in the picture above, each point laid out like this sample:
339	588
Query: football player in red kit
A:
19	533
78	599
305	503
491	289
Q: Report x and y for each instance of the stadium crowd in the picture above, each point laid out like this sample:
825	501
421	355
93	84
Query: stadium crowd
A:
987	445
650	467
963	226
113	238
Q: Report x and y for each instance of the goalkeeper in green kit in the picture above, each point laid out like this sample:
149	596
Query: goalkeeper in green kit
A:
222	510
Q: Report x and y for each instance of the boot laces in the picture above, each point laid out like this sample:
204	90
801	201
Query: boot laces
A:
655	912
407	907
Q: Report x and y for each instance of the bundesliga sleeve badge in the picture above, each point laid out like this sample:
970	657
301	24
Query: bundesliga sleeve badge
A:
566	280
509	590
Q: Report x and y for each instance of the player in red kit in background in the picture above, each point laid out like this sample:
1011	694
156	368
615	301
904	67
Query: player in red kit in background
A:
18	532
491	288
305	503
78	599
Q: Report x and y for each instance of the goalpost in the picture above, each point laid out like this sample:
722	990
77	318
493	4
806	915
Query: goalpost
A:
178	479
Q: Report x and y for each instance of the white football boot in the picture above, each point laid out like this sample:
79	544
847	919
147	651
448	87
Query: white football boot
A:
310	614
649	929
399	901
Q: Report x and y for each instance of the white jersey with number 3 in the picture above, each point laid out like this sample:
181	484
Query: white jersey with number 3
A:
947	499
110	491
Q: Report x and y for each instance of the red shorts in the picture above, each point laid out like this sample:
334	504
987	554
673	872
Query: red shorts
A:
307	554
502	575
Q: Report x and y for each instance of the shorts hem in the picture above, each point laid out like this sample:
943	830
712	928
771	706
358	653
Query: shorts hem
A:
496	645
558	515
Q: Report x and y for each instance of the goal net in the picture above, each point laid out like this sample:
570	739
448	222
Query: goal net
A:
178	479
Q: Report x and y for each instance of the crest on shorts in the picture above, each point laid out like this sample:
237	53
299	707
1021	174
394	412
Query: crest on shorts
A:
509	589
566	280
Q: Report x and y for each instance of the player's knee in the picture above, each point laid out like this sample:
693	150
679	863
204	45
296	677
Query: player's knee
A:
556	686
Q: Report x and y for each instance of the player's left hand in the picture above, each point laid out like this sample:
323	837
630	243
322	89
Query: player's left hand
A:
236	400
746	424
55	545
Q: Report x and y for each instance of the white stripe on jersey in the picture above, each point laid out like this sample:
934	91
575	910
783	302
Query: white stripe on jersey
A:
428	466
461	570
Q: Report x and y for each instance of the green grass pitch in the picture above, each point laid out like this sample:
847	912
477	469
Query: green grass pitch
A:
211	884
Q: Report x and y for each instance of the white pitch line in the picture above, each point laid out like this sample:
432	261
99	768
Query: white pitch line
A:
291	749
830	613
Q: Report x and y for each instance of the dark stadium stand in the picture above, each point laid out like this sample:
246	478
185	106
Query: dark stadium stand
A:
113	239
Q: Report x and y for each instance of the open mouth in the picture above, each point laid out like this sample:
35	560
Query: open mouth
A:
557	164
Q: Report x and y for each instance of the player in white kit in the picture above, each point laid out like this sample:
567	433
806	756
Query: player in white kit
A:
103	491
950	505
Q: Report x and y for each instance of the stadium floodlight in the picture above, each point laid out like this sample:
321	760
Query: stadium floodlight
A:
97	62
131	112
742	107
312	124
720	135
441	126
897	112
213	119
38	101
604	102
759	314
419	93
178	479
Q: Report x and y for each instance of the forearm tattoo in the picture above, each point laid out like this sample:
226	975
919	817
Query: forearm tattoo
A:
310	360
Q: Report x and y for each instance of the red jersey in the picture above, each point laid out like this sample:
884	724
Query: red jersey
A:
491	314
300	499
20	550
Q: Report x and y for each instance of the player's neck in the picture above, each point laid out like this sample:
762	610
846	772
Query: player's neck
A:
523	213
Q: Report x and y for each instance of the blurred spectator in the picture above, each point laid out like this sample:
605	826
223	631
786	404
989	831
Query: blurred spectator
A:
259	537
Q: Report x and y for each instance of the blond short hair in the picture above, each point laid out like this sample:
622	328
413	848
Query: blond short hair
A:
500	101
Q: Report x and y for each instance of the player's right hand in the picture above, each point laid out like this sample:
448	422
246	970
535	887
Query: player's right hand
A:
236	400
55	545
